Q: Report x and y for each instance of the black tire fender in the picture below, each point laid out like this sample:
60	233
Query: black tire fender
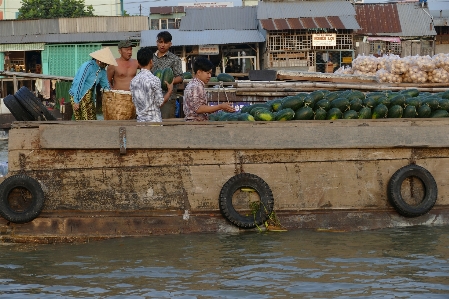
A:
246	180
33	105
16	109
398	202
20	189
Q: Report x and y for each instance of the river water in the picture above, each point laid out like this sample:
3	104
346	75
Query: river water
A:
392	263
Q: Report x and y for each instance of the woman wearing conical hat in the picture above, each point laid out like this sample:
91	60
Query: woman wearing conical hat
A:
88	76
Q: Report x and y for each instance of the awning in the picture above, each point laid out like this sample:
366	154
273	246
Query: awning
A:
22	47
385	39
343	22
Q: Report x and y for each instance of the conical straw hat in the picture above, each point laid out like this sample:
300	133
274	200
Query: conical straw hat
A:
104	55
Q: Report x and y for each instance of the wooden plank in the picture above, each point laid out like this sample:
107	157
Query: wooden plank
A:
259	135
53	159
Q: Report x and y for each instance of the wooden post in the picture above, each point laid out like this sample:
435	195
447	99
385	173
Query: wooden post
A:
14	83
257	57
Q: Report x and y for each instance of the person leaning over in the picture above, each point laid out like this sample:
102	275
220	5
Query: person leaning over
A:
163	58
195	103
120	76
91	73
146	89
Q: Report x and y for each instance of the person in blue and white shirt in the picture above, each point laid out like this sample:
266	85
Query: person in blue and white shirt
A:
146	89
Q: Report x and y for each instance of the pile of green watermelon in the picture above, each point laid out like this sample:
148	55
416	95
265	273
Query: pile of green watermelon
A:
346	104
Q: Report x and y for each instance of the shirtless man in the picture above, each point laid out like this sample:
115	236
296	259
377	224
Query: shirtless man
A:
120	76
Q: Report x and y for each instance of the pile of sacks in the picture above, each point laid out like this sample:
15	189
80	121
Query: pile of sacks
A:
394	69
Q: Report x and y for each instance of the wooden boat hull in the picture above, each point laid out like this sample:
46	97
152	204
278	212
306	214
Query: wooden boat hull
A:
122	178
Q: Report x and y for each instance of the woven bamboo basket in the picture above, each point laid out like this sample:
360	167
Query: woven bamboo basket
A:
118	105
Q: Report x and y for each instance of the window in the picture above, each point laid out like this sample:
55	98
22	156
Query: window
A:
158	24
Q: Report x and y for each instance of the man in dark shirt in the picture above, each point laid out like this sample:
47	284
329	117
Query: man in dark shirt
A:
162	59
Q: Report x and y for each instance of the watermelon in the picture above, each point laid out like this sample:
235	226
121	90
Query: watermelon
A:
247	109
356	104
158	73
263	115
245	117
395	111
332	96
375	95
341	103
320	114
409	112
350	114
187	75
316	95
413	102
380	111
444	104
304	113
413	92
365	113
309	101
234	116
383	100
445	95
284	114
424	111
292	102
334	113
213	79
355	94
323	104
167	75
432	102
275	104
398	100
439	113
255	109
369	102
223	77
213	116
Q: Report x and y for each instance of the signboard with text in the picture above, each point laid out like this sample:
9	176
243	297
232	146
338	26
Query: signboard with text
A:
207	4
324	39
208	50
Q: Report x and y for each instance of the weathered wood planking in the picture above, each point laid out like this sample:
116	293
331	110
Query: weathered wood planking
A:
53	159
251	135
295	186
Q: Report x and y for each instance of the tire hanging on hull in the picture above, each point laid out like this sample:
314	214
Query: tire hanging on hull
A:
395	196
21	198
249	182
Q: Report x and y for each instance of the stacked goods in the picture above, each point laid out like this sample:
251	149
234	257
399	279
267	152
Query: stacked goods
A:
394	69
348	104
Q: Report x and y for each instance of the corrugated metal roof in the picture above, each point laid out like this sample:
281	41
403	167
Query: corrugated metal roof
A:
220	18
397	19
205	37
303	9
22	47
73	25
70	38
415	21
378	18
343	22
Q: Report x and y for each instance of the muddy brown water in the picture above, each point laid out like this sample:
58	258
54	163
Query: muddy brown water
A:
392	263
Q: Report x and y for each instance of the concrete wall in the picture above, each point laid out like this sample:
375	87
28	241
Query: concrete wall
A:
443	48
